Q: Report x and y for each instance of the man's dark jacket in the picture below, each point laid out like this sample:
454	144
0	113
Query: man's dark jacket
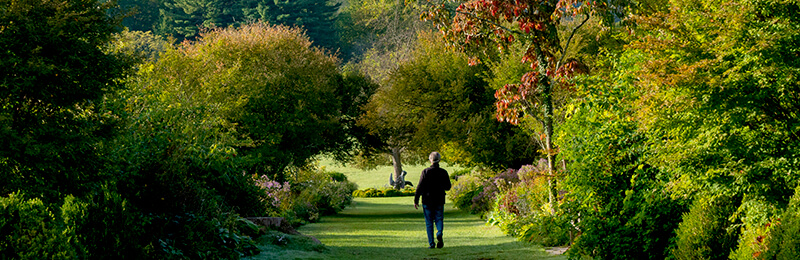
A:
432	185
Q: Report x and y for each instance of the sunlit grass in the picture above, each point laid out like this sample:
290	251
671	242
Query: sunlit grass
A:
390	228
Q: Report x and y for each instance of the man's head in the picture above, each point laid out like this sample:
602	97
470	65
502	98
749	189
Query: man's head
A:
434	157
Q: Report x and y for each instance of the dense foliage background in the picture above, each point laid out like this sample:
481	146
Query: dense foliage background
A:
625	129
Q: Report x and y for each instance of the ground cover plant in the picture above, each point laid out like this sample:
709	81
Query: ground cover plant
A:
385	192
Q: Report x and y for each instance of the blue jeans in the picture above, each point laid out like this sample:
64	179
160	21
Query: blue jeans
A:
433	214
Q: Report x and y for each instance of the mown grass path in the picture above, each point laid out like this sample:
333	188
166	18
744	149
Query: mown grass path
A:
390	228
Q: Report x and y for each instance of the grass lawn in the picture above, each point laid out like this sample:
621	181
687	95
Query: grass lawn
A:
390	228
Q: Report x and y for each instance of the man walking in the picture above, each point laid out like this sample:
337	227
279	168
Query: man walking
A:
432	185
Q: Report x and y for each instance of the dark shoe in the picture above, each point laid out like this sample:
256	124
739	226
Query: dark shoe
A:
431	247
439	243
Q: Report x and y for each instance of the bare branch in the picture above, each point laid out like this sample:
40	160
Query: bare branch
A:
569	40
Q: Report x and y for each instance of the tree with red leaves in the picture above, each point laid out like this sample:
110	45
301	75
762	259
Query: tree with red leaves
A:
546	28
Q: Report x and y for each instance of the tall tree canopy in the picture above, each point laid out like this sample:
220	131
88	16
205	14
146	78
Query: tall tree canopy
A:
185	19
476	26
316	17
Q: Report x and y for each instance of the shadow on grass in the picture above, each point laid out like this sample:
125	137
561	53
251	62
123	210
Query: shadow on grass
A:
509	250
390	228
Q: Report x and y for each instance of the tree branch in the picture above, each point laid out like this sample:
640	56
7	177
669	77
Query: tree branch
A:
569	40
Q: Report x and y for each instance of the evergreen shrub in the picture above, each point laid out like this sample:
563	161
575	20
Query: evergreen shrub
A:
706	231
783	240
105	226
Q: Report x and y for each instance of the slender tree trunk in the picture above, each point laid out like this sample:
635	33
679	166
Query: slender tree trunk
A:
548	132
399	182
547	109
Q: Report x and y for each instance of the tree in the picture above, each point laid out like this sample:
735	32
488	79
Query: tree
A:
477	25
316	17
379	36
143	15
271	87
392	128
54	72
435	101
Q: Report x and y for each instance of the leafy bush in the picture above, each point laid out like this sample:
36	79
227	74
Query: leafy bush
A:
188	156
706	231
505	213
106	226
619	203
642	228
547	230
464	190
533	190
30	230
200	237
522	209
314	194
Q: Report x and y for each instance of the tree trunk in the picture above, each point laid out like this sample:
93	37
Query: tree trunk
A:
547	109
548	132
399	182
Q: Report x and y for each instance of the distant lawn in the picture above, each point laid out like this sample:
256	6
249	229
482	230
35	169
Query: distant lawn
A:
390	228
379	177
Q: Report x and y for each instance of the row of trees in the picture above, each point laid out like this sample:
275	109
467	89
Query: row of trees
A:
374	36
186	19
125	145
660	117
